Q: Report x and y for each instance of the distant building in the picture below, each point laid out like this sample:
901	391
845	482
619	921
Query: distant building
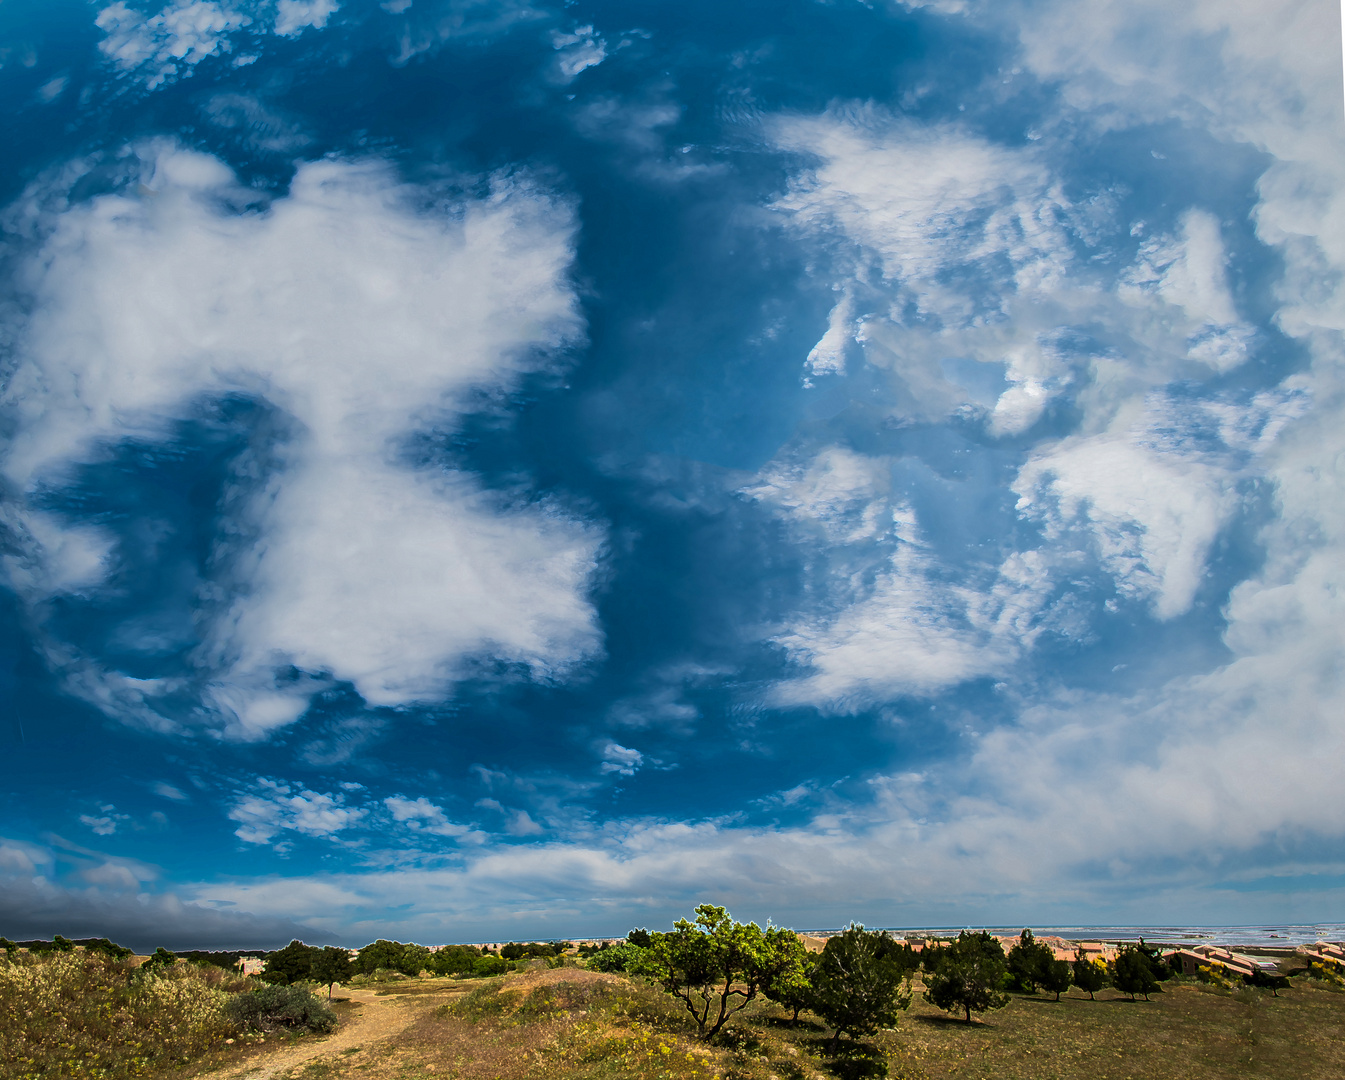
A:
1230	963
1324	952
250	965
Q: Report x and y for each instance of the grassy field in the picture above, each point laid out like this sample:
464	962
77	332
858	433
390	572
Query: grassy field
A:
570	1024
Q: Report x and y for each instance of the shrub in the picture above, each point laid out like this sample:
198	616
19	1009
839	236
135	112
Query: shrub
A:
623	956
270	1008
87	1014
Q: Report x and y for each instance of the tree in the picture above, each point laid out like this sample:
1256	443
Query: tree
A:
968	975
61	944
639	937
453	960
8	946
330	966
1090	975
1028	963
1132	973
289	965
1057	978
408	959
859	984
162	958
792	987
623	956
710	962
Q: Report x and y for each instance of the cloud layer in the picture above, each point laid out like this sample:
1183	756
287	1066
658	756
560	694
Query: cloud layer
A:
360	312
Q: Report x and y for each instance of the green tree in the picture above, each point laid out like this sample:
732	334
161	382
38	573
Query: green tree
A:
623	956
792	987
709	963
1057	977
330	966
60	944
393	955
967	975
162	958
8	946
1089	975
639	937
860	983
289	965
1132	972
453	960
1028	963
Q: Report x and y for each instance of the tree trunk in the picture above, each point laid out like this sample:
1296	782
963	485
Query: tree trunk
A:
968	1008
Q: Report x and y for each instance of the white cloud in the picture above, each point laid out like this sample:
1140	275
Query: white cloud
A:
577	51
423	815
621	760
272	807
168	791
295	16
1189	273
1152	516
170	42
362	317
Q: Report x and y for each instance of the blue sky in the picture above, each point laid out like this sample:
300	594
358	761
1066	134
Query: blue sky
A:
505	469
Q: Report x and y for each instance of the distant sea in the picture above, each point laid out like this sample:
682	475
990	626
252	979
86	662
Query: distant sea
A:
1243	936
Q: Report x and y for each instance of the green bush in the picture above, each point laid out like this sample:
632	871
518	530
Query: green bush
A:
620	957
270	1008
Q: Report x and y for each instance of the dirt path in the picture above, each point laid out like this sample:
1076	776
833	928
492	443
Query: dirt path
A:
376	1020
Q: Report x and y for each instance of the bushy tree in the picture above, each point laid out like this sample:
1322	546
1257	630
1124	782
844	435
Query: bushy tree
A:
1132	972
453	960
289	965
61	944
623	956
1028	963
330	966
162	958
792	986
639	937
860	983
1090	975
967	975
1057	977
709	963
407	958
489	964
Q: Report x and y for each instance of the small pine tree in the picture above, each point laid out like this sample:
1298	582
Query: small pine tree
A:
968	975
1028	963
1132	973
1089	975
859	984
1056	978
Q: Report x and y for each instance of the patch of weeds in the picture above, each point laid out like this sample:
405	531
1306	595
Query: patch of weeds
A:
485	1002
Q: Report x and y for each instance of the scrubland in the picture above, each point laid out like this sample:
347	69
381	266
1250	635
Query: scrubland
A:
74	1015
570	1024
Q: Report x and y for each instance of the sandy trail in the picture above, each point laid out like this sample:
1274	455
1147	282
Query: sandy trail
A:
377	1020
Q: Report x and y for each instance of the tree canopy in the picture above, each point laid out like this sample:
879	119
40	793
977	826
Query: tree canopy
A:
329	966
1132	972
967	975
715	965
860	983
1090	975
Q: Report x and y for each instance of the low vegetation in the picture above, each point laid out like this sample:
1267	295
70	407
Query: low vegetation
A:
91	1013
712	999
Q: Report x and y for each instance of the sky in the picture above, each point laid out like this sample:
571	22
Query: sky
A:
509	469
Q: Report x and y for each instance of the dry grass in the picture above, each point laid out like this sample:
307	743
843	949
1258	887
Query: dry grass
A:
577	1025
